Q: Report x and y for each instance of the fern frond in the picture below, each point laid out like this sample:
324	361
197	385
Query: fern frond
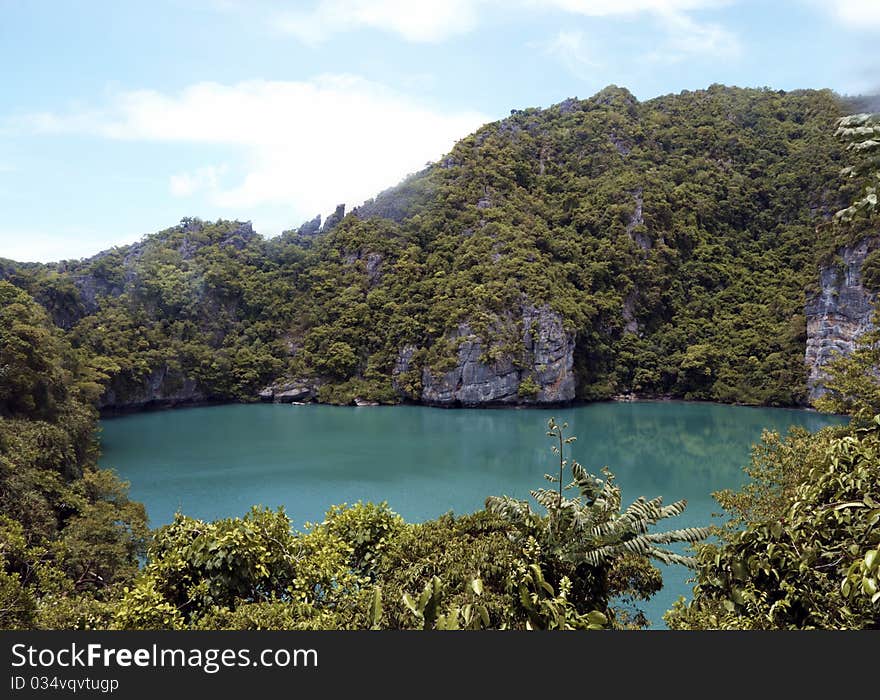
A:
513	510
547	498
668	557
689	535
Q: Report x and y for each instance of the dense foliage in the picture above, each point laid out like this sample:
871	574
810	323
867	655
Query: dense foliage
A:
802	547
67	530
675	238
854	379
808	554
862	134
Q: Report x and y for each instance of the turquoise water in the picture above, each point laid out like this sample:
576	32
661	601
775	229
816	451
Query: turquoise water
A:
218	461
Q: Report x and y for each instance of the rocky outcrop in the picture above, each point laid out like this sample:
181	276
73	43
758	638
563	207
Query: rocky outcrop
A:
373	266
310	228
635	229
551	350
163	387
538	370
471	381
569	105
839	312
334	219
622	146
297	391
628	313
239	238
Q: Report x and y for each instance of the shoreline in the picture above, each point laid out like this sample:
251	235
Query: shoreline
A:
170	405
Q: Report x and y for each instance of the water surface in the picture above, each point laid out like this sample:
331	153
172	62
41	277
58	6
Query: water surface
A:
216	462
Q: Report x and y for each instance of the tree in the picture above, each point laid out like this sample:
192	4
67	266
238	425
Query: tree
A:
862	134
69	535
808	559
33	378
590	536
590	528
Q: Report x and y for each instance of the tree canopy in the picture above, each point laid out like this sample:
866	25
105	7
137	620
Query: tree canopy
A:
674	237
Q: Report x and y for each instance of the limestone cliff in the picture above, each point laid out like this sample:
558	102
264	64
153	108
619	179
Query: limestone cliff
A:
535	368
162	388
839	312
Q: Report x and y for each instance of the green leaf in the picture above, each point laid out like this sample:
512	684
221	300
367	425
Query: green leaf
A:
410	603
597	618
484	614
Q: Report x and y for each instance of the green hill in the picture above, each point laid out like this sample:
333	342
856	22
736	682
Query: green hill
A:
594	248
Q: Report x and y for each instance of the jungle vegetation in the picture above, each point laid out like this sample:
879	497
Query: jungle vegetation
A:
683	205
802	548
676	238
71	540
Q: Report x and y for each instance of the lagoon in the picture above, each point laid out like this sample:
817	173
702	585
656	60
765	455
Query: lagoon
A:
216	462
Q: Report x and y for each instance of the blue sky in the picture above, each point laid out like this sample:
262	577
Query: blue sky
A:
119	118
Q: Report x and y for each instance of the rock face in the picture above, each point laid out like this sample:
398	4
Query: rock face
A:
373	265
635	229
162	388
310	228
628	313
333	220
541	372
290	392
551	348
839	313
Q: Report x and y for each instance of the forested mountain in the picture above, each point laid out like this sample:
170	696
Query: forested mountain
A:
594	248
679	246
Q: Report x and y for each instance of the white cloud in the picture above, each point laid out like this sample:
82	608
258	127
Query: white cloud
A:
436	20
685	36
856	14
188	183
678	35
306	146
608	8
423	21
573	50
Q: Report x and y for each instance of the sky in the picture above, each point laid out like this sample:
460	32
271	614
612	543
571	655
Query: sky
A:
118	119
